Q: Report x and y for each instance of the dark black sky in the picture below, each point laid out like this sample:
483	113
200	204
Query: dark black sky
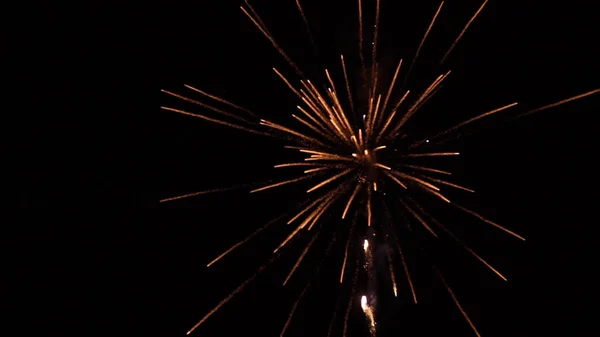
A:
94	253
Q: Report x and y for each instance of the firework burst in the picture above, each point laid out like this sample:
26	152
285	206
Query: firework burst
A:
349	153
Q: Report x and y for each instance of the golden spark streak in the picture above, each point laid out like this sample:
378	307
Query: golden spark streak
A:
297	164
489	222
390	118
595	91
423	41
262	24
318	169
439	195
307	208
222	112
420	181
449	184
391	267
445	229
379	148
413	109
414	214
231	295
369	215
433	154
462	311
383	166
374	47
271	39
198	193
294	307
300	259
423	168
330	180
316	122
356	189
463	31
310	35
347	85
410	284
224	101
360	37
387	96
281	183
217	121
288	83
290	131
245	240
346	250
310	126
395	179
325	206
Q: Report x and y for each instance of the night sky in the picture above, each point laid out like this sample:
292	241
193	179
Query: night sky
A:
93	252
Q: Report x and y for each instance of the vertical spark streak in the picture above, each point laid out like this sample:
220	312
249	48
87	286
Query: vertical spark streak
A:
347	85
351	231
307	25
390	266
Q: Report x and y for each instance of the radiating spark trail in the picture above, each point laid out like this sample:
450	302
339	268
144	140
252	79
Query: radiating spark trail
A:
201	193
327	181
443	182
391	268
416	216
428	169
307	26
271	39
281	183
445	229
316	272
589	93
360	38
233	293
210	107
462	311
351	231
224	101
422	42
433	154
445	132
408	278
489	222
217	121
306	249
347	85
463	32
267	225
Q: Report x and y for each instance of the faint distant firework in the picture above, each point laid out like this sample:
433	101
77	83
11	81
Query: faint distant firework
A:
356	158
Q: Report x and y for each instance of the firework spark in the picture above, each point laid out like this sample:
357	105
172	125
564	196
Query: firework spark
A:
348	160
